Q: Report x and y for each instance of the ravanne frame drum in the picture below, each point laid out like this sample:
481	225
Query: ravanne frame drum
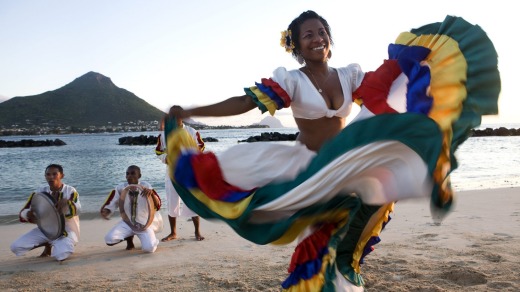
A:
136	209
49	220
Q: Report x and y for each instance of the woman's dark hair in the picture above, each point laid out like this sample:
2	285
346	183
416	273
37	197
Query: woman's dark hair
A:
296	24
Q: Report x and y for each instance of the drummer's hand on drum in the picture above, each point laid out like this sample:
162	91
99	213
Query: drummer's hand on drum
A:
105	213
149	192
31	217
62	205
146	192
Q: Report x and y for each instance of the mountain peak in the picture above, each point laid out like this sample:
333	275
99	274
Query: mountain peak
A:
271	121
92	79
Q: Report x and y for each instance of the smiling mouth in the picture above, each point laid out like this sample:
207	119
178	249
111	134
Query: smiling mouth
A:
318	48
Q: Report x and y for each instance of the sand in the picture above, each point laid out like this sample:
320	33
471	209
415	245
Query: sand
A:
476	248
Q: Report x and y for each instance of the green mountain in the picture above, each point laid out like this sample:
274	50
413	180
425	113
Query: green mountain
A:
89	100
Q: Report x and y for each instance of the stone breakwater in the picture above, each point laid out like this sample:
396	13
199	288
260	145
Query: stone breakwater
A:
502	131
276	136
271	136
139	140
31	143
150	140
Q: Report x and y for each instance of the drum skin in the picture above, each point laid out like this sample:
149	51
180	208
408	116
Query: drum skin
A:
48	219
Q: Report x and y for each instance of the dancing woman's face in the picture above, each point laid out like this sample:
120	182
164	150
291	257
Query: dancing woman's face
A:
314	41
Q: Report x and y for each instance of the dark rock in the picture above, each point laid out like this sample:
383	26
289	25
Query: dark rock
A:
270	137
31	143
139	140
275	136
58	142
502	131
150	140
209	139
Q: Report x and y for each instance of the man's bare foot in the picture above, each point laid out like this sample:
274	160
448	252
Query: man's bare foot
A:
130	243
46	251
198	237
169	237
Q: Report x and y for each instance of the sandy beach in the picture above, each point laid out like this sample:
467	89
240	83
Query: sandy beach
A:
476	248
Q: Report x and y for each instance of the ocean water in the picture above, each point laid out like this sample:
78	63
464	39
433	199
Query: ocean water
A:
96	163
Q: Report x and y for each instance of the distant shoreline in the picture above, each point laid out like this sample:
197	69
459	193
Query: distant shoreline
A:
103	130
483	132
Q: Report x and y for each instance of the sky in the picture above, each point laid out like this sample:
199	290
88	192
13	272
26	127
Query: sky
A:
194	53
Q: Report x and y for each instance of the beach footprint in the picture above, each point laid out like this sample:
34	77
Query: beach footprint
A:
463	276
428	236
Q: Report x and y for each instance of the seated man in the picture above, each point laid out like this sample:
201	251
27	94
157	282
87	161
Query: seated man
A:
122	231
68	204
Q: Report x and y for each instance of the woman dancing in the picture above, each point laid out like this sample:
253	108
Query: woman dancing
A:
335	188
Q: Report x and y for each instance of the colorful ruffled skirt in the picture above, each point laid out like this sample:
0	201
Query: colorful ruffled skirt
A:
418	107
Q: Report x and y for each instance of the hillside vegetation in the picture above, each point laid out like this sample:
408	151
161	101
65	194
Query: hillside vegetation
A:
89	100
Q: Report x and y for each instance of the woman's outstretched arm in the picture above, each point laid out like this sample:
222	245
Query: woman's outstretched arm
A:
232	106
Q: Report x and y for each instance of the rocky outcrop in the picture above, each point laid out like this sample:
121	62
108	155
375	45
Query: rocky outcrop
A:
31	143
271	136
209	139
150	140
139	140
275	136
502	131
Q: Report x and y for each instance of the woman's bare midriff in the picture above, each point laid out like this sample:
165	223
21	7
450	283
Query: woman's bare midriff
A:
313	133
